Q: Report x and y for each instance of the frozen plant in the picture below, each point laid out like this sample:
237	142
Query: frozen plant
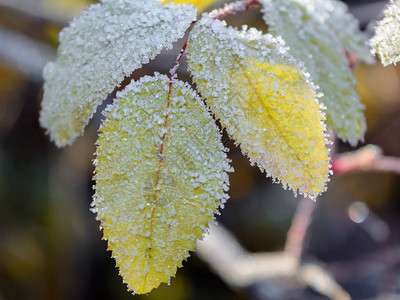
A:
386	42
160	167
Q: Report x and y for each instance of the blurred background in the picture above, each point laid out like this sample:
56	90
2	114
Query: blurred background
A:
50	243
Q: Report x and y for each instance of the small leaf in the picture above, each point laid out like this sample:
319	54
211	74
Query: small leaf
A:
160	176
345	26
264	100
107	42
316	45
200	4
386	42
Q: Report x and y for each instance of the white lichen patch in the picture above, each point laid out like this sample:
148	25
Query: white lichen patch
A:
265	101
161	173
107	42
386	42
319	47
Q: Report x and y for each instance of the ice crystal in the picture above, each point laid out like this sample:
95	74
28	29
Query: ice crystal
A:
336	15
160	176
200	4
319	47
264	100
107	42
386	42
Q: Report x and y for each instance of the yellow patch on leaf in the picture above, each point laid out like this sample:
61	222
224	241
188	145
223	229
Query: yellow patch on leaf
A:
160	176
312	33
200	4
265	102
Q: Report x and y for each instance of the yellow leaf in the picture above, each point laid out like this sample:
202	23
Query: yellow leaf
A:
316	43
160	176
265	102
200	4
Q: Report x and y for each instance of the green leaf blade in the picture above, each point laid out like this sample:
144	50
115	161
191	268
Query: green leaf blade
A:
107	42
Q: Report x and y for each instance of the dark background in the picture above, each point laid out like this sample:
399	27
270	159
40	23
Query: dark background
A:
50	243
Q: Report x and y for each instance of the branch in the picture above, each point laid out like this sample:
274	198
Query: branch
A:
240	269
366	159
28	55
297	234
231	8
36	9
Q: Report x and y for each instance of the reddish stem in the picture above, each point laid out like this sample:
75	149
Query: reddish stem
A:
228	9
297	234
231	8
367	159
176	65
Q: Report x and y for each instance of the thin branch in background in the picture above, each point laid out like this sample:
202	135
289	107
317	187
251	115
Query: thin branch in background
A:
297	234
241	269
366	159
231	8
26	54
36	9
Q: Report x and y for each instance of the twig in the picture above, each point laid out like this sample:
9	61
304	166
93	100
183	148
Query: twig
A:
240	269
297	234
27	55
231	8
367	159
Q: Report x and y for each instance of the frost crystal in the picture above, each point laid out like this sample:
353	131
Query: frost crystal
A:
386	42
107	42
160	176
336	15
319	47
200	4
264	100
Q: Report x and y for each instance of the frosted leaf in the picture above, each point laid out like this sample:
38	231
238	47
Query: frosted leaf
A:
263	98
386	42
160	176
318	47
336	15
200	4
107	42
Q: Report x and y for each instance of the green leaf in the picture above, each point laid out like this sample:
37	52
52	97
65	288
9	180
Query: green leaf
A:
345	26
160	176
107	42
386	42
316	44
264	100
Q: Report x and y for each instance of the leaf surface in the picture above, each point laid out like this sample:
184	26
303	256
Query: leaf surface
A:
386	42
160	176
107	42
200	4
263	98
345	26
316	45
